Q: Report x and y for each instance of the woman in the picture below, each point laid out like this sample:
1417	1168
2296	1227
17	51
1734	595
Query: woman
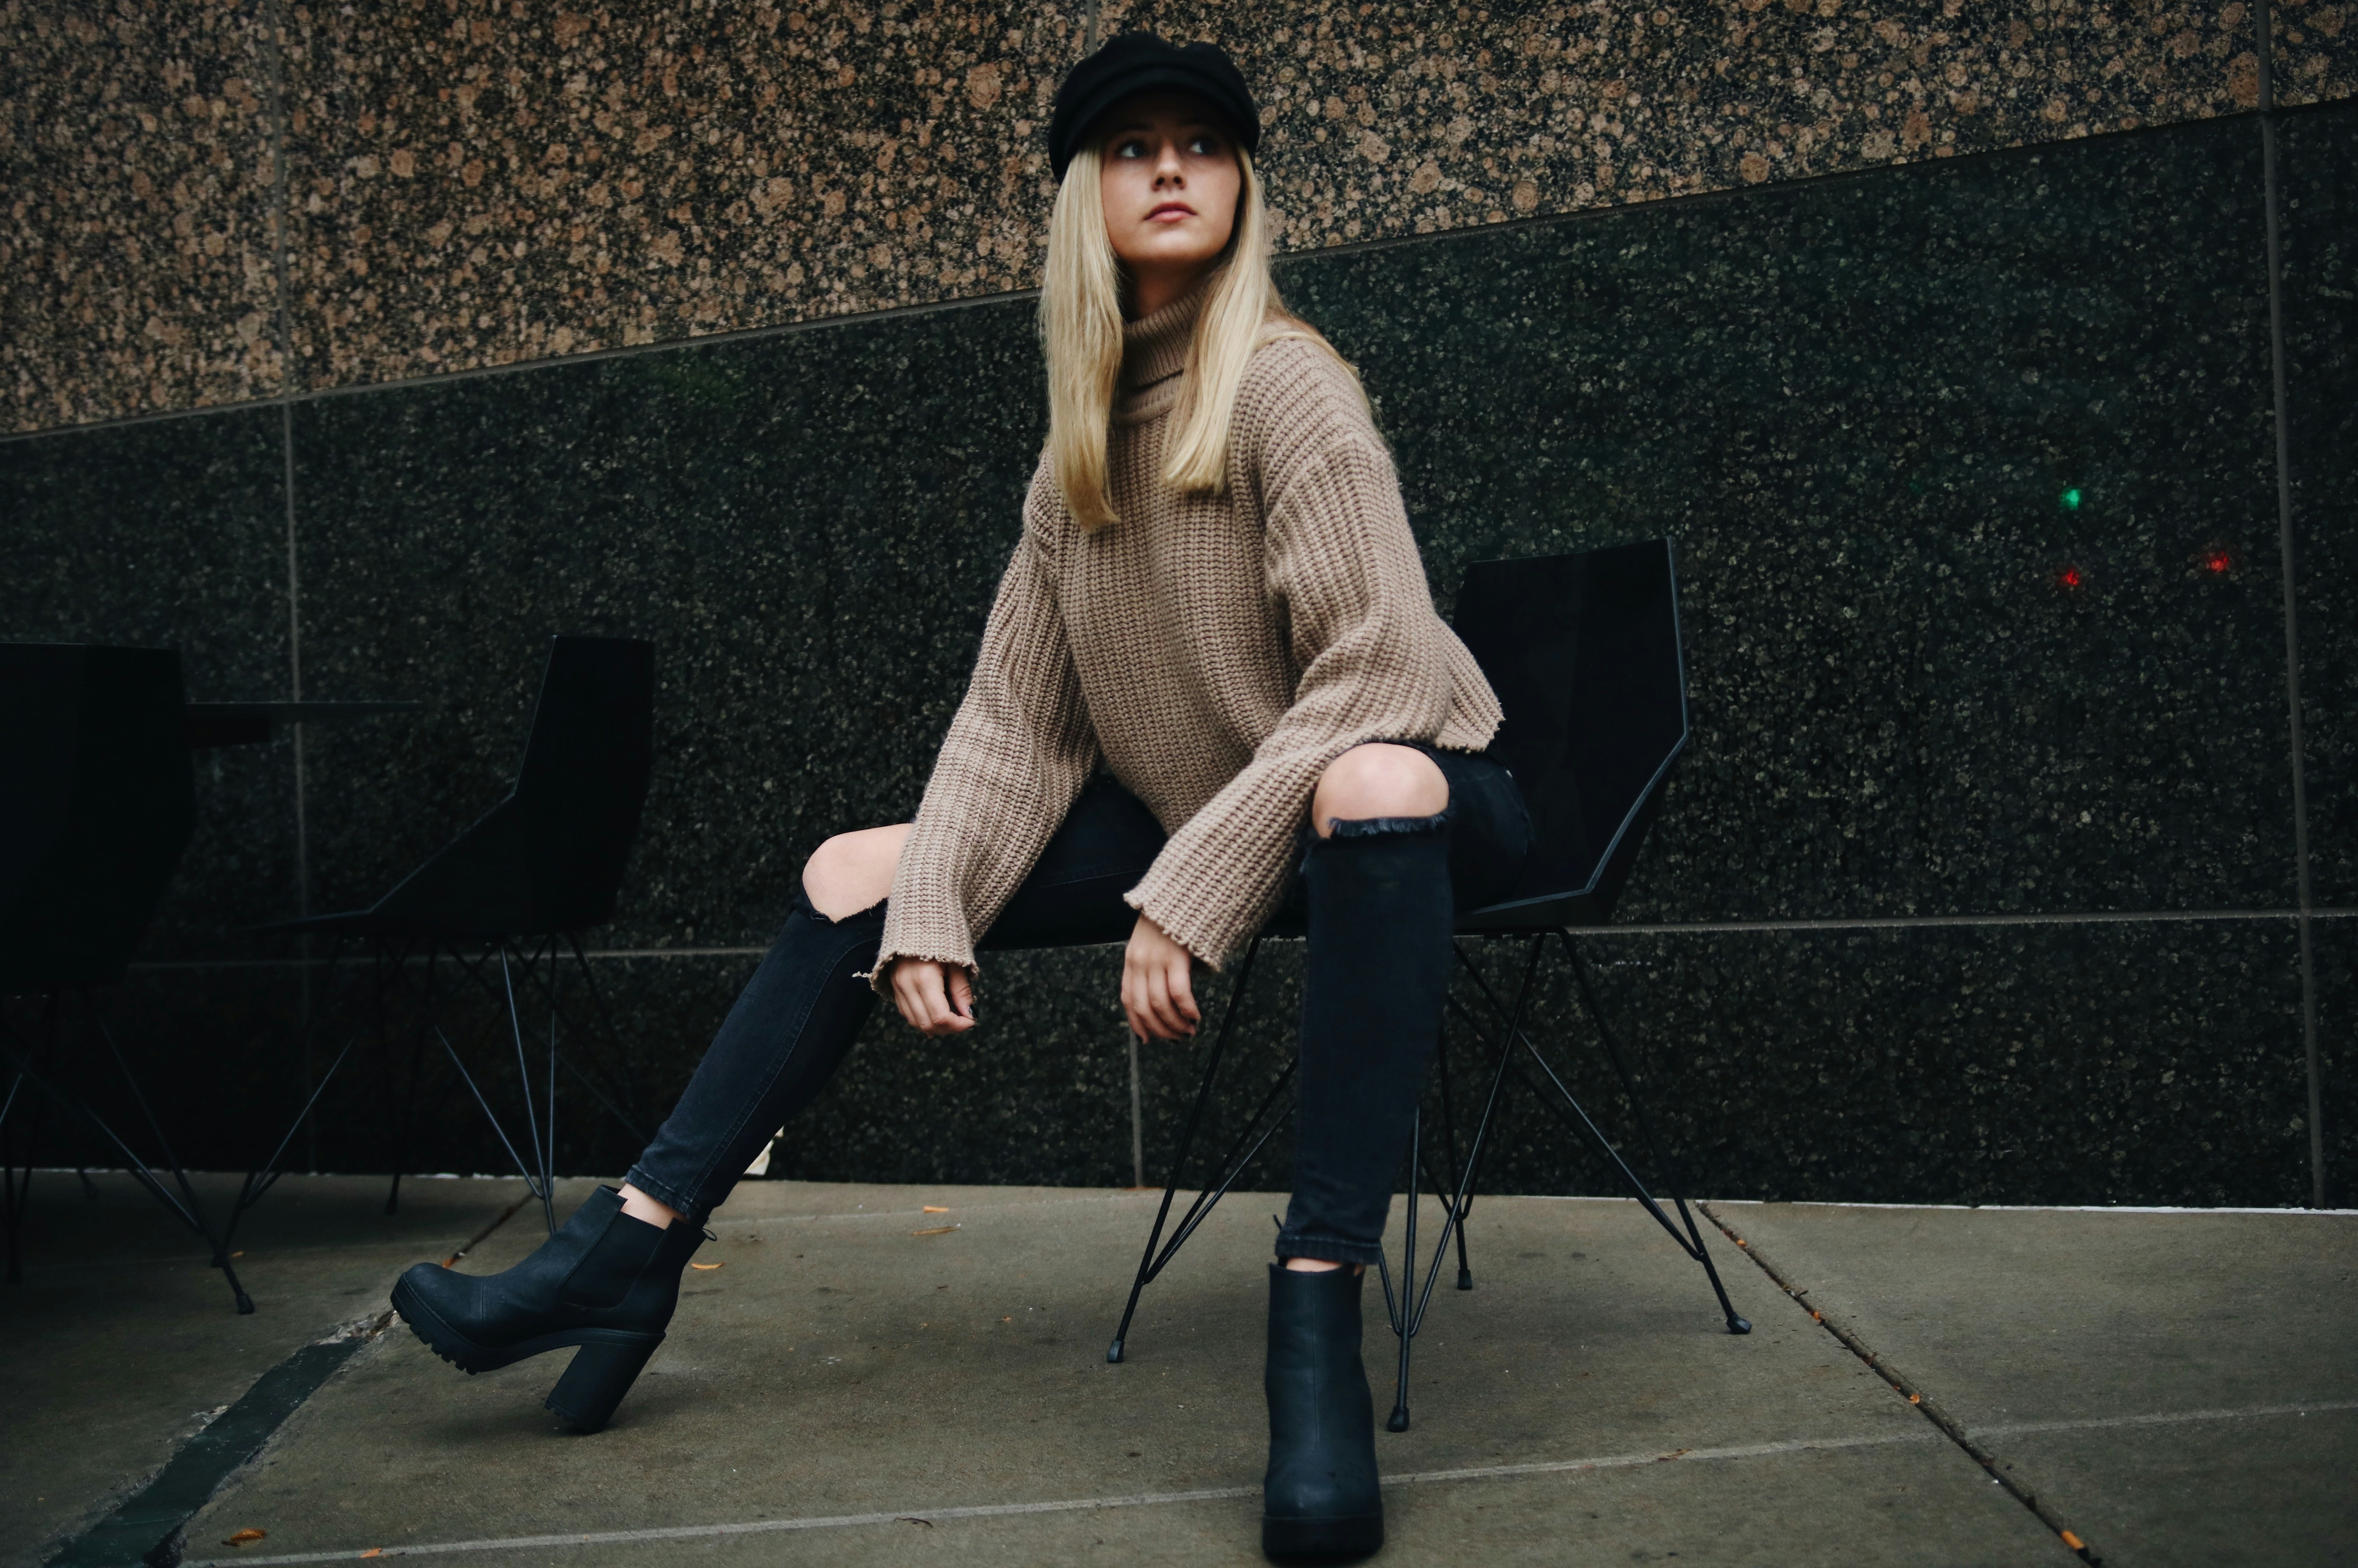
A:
1215	597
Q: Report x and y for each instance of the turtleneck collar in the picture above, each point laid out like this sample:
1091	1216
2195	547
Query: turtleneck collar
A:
1153	352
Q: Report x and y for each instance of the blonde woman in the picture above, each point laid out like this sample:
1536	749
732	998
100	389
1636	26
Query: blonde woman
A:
1212	682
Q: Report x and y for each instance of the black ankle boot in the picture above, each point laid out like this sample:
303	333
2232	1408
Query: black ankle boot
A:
1320	1498
605	1281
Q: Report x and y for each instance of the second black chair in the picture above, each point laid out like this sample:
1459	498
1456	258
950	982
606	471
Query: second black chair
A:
508	898
1583	652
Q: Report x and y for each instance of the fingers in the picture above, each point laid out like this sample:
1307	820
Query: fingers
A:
1182	989
917	991
1157	995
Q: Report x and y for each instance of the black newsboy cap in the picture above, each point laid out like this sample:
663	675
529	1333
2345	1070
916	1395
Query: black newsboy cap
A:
1132	62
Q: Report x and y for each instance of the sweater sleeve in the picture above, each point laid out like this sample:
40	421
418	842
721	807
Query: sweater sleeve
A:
1015	759
1374	661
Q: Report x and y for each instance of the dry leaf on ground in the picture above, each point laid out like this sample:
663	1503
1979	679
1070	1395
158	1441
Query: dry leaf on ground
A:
936	1230
707	1267
245	1537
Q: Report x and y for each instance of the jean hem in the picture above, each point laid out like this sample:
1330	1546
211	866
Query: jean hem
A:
665	1193
1331	1249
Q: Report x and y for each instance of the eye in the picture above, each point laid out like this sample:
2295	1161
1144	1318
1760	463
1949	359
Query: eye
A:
1207	142
1122	148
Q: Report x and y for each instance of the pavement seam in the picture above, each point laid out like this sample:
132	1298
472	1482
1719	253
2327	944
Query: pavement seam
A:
146	1530
1906	1387
1229	1494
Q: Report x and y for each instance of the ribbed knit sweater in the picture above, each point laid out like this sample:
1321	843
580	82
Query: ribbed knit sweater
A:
1215	653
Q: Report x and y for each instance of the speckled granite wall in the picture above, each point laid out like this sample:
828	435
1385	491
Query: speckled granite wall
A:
1857	404
1385	121
135	235
471	187
480	189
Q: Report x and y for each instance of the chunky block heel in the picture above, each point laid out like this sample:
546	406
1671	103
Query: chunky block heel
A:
601	1373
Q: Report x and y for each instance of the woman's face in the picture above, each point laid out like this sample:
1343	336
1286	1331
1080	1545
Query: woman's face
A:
1169	177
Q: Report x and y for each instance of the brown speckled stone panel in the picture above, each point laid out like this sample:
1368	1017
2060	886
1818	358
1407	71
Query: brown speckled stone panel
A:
135	242
2316	48
474	187
1380	121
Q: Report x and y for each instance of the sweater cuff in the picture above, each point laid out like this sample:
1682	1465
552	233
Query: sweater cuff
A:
1209	933
912	939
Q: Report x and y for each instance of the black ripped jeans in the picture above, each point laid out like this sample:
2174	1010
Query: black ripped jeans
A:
1379	898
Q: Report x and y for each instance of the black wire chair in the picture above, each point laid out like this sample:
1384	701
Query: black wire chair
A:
506	901
97	801
1583	652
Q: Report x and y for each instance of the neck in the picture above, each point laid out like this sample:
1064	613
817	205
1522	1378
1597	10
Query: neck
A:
1151	288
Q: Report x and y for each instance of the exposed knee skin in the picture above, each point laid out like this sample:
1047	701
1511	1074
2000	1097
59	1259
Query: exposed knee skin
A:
853	871
1378	780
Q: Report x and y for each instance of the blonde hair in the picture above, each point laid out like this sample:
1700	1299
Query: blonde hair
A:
1080	332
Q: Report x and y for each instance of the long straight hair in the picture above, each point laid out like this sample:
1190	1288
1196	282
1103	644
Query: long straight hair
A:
1080	330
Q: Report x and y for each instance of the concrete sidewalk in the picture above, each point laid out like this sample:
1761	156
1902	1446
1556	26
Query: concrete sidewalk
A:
864	1380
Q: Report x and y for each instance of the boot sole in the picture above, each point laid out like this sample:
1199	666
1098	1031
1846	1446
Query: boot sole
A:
1356	1536
470	1357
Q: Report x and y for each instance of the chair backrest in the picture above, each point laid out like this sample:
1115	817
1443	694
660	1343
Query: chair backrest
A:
97	800
1583	652
583	782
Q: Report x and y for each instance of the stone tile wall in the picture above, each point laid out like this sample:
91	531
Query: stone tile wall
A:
486	186
1980	879
137	242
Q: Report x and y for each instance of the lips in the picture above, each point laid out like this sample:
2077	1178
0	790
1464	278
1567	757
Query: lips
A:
1182	210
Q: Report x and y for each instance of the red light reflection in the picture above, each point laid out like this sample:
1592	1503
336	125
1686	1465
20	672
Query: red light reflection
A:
2071	576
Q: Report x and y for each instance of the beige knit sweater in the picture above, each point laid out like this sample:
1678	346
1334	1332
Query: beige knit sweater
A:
1216	654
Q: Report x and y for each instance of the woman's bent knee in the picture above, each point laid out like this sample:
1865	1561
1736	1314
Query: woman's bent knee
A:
851	871
1378	780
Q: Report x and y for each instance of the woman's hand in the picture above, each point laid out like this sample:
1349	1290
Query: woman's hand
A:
1158	987
918	992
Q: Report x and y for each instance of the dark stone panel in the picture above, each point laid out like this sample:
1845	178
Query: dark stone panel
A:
2152	1063
2334	950
1948	454
810	526
2320	312
174	534
1038	1092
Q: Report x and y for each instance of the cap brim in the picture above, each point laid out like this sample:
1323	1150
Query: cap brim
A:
1095	107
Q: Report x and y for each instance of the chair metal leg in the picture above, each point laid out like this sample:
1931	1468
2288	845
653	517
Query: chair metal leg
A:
1404	1322
1449	1143
405	1133
1408	1309
183	1203
547	1192
16	1178
1149	1263
1670	1177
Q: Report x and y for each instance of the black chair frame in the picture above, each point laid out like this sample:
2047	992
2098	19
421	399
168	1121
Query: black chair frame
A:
32	1062
1584	653
411	967
514	891
1405	1303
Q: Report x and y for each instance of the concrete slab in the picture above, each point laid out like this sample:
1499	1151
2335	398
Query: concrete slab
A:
2176	1386
857	1358
121	1340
